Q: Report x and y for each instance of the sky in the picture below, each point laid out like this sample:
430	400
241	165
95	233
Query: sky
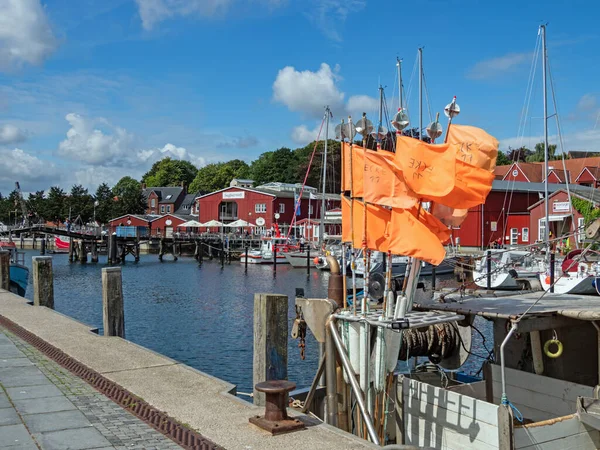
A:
94	90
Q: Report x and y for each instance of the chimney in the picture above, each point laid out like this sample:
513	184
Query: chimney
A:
184	188
143	186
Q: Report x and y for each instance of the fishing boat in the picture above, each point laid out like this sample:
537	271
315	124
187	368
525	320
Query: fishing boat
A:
19	273
509	270
264	255
60	246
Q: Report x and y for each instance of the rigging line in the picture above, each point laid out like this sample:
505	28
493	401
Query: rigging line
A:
427	97
410	88
307	172
387	120
529	89
575	261
393	93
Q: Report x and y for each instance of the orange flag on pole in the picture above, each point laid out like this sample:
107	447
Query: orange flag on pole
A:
378	219
436	226
449	216
428	169
358	168
474	146
409	236
385	183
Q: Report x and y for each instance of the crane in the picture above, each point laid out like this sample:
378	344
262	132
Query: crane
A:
22	202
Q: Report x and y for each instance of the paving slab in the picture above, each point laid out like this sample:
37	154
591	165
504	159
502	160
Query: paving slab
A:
15	362
55	421
43	405
45	390
13	436
29	380
8	416
4	402
76	439
11	372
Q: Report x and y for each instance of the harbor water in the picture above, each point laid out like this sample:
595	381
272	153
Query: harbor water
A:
200	315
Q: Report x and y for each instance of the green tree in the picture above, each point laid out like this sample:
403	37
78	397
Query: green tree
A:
315	175
9	208
279	165
56	205
36	205
170	172
538	154
81	204
213	177
503	159
104	197
518	154
129	198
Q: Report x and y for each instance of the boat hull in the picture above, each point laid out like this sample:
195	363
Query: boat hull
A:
503	281
572	285
298	259
19	279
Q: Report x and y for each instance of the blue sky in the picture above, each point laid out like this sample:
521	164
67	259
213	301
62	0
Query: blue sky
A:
93	90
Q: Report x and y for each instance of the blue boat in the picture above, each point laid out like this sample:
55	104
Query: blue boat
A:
19	273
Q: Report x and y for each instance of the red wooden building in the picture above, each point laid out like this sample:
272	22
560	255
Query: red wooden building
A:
261	206
563	218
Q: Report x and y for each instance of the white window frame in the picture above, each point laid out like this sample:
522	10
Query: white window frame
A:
260	208
525	234
153	203
162	209
514	236
281	208
542	229
580	230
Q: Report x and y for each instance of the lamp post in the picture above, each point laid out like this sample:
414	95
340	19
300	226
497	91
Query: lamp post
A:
96	204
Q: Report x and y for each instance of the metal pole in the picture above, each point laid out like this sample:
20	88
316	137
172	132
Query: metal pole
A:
353	383
322	224
331	379
545	96
399	65
504	342
489	270
308	260
274	259
246	262
552	263
421	94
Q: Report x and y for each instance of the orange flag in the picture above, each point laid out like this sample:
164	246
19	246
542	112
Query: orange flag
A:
358	168
474	146
408	236
449	216
378	219
384	183
429	169
436	226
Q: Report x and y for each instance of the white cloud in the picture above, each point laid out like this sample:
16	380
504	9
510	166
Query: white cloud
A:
10	134
328	15
357	104
302	135
586	103
501	65
581	140
32	172
308	92
25	34
171	151
155	11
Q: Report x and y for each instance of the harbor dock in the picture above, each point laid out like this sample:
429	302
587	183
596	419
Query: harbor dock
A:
189	398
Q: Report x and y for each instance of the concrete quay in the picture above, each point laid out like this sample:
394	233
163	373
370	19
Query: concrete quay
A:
200	401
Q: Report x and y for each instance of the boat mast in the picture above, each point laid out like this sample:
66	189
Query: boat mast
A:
399	65
545	96
421	93
322	224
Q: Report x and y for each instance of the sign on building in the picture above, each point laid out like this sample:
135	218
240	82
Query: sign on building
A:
232	195
561	207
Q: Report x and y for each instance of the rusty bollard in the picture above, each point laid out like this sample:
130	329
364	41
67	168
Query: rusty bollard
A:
276	420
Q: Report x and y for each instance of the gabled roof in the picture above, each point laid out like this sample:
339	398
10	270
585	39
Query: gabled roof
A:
533	172
583	192
163	193
186	204
560	174
594	171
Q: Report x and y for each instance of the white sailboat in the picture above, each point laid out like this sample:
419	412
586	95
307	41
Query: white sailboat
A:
507	267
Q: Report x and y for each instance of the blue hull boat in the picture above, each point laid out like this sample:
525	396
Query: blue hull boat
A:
19	277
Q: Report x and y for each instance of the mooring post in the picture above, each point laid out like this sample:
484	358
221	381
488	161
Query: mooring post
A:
433	270
552	264
43	281
270	340
94	251
71	249
22	241
113	315
308	260
161	248
43	247
4	270
112	256
246	262
489	270
34	242
82	252
201	251
196	252
222	254
274	259
137	249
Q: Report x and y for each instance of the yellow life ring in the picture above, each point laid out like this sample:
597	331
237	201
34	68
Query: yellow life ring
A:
559	348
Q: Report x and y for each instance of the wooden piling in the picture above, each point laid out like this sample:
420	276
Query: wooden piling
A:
113	315
274	259
34	242
71	249
94	251
112	255
137	249
308	259
22	241
43	247
43	281
222	254
4	270
82	252
201	252
246	261
270	340
161	249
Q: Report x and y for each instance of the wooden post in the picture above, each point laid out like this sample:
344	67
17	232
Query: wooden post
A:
34	242
94	251
246	262
4	270
82	252
43	281
22	240
399	409
201	251
113	316
71	249
505	428
112	255
274	259
270	340
43	247
222	254
308	260
137	249
161	249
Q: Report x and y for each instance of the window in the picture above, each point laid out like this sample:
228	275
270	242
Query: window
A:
525	235
168	208
580	229
260	208
282	208
153	203
169	197
162	208
541	229
514	236
310	210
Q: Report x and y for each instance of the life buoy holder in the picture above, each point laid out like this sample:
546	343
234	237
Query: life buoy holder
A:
559	348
